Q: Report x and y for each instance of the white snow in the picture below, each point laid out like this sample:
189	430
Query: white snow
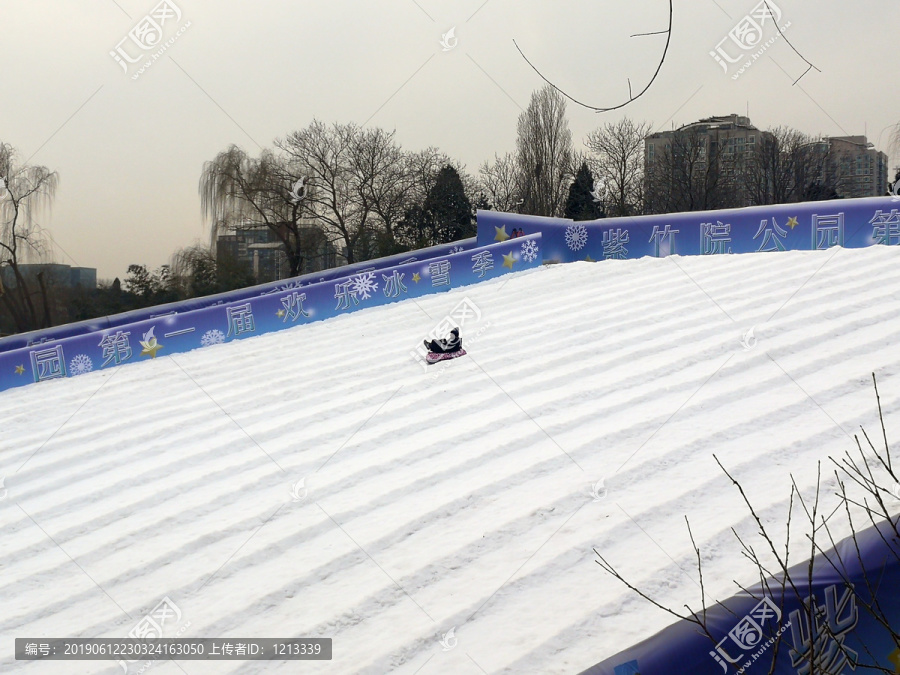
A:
458	498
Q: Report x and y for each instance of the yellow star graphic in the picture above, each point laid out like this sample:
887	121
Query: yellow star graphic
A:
20	370
416	277
895	659
150	347
501	234
279	313
792	222
508	261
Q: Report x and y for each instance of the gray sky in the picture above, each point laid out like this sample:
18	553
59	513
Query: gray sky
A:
129	152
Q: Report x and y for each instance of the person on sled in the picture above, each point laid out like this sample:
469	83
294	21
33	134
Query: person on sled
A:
451	343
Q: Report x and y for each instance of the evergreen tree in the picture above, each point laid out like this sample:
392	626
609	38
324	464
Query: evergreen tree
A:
447	208
412	232
482	203
580	204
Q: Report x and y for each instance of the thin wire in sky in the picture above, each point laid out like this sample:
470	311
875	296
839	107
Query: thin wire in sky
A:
631	97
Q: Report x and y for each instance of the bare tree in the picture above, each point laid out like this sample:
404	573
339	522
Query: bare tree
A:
894	145
498	181
789	166
236	188
824	172
686	174
770	176
544	156
815	648
24	191
381	168
617	159
341	197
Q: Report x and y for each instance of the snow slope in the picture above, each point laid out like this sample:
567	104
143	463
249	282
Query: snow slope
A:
464	498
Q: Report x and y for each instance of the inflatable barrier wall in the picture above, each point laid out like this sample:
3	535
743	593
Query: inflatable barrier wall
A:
275	308
832	622
806	226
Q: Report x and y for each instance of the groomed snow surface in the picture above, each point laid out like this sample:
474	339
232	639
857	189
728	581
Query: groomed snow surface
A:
461	498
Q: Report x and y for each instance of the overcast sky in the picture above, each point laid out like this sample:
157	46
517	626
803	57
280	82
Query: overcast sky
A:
129	151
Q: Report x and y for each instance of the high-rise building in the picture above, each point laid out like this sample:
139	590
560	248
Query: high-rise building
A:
699	165
863	169
729	135
259	247
53	275
708	160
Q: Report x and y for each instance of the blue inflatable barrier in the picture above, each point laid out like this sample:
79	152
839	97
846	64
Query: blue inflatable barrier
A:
842	634
805	226
276	308
81	327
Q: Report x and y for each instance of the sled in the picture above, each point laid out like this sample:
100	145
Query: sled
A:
432	357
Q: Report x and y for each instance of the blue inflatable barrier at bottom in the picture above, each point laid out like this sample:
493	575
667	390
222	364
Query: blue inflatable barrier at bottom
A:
840	634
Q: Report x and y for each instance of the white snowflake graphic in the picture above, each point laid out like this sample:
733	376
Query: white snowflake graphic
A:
529	250
363	285
456	249
81	364
212	337
576	237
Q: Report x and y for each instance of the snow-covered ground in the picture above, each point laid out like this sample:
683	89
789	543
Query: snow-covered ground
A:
464	498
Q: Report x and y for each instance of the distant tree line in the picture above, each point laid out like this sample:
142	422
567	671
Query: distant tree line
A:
358	190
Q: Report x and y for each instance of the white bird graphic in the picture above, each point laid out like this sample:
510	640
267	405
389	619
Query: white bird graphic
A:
298	490
748	341
449	640
448	39
598	490
298	190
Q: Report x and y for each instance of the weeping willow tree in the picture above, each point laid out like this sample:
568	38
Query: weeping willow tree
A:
25	190
239	190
